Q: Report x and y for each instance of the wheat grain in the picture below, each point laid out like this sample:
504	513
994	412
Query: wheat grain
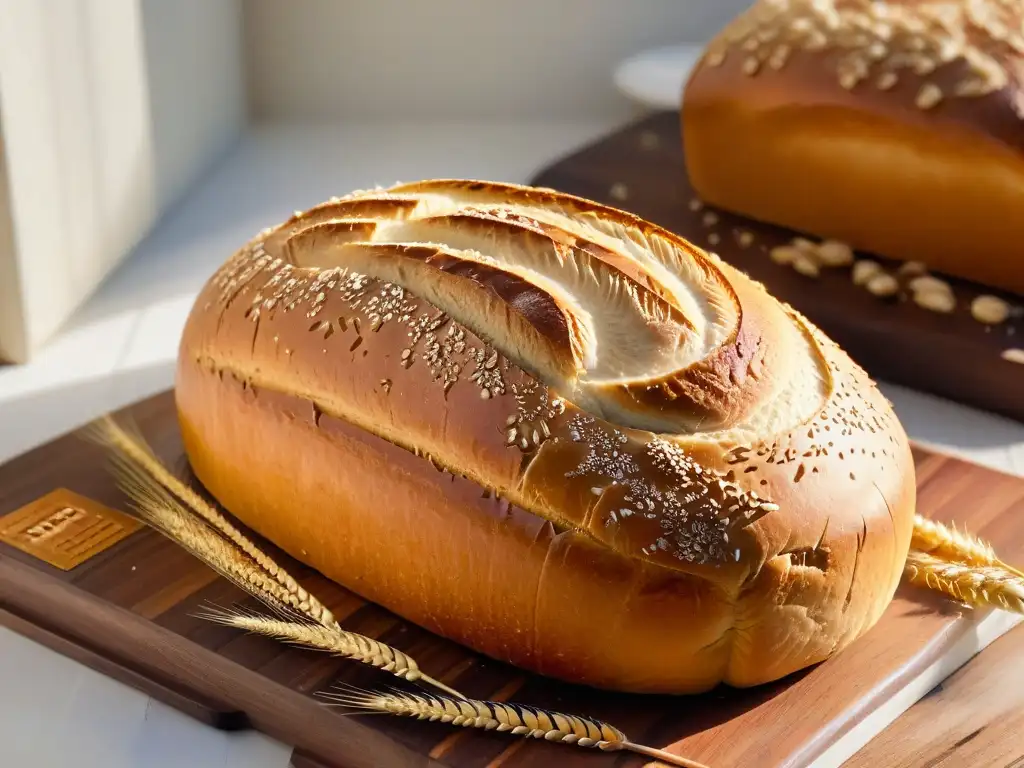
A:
504	717
953	545
976	585
152	489
130	445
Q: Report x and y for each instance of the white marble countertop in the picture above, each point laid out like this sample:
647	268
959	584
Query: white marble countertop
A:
122	346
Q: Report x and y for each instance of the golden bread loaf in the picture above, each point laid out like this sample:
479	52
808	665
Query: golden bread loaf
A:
550	431
897	127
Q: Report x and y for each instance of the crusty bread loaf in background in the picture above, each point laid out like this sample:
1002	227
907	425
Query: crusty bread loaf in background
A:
549	431
897	127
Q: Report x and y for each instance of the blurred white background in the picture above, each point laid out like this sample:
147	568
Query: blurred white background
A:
330	60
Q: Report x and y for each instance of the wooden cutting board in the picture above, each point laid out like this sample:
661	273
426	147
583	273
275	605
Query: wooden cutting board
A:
641	168
122	598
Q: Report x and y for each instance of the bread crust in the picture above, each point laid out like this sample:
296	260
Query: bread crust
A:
897	128
512	519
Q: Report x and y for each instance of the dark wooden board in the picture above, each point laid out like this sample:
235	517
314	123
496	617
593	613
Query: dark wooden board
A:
641	168
130	612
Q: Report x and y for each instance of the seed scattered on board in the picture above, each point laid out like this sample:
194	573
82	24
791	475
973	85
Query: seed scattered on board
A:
864	270
882	284
990	310
927	291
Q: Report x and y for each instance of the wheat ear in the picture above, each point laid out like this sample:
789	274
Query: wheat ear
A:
315	636
504	717
980	586
170	517
161	502
133	448
953	545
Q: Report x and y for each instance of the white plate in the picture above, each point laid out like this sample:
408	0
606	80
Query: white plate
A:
655	78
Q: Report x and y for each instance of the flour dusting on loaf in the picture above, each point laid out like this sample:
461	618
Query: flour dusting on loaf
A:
652	405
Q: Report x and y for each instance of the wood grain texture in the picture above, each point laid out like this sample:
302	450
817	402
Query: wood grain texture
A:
641	168
129	611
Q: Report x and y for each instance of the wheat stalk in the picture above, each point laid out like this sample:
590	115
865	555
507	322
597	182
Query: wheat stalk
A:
504	717
980	586
953	545
166	504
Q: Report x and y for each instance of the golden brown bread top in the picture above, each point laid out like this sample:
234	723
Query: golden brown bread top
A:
588	366
957	63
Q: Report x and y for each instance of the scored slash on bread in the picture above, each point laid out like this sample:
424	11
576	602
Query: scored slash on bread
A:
666	419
